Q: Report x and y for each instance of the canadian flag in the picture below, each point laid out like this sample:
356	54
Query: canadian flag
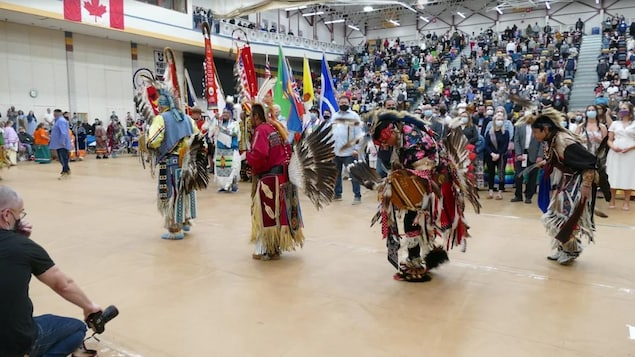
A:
107	13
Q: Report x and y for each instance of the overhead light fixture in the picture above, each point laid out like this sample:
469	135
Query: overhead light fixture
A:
424	19
368	8
334	21
499	10
547	5
353	27
296	8
313	13
394	22
460	14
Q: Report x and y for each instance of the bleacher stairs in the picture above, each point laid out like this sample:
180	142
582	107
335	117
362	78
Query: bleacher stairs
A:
586	77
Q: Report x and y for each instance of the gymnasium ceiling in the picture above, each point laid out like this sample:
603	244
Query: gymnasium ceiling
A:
382	10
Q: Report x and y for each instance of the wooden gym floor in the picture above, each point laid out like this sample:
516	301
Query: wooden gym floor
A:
205	296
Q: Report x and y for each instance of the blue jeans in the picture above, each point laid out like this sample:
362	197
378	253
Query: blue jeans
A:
57	336
339	162
62	155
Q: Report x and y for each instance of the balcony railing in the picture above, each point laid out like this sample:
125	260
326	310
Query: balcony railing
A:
256	36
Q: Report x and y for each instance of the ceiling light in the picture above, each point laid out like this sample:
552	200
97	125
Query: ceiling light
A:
313	13
547	5
368	8
354	27
334	21
296	8
424	19
394	22
460	14
499	10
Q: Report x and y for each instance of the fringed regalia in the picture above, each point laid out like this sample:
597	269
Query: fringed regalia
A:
174	145
276	216
279	173
227	159
568	215
428	185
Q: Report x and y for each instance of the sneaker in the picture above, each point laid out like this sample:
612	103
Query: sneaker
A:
567	258
337	198
235	189
64	175
357	201
173	235
555	256
516	199
187	226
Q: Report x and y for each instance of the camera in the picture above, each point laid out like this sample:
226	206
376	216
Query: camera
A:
97	320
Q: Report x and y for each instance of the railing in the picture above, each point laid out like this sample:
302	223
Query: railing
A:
273	38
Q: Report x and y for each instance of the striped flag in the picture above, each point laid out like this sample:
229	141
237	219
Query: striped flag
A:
267	67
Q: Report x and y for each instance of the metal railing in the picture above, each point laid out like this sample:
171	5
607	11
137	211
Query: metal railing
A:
273	38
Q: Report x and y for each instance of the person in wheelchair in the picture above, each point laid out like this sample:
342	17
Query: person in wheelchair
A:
21	333
26	143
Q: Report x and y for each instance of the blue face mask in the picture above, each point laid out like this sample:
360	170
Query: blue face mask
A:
427	113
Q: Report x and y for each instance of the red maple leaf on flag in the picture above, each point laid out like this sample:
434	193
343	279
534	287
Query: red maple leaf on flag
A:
95	8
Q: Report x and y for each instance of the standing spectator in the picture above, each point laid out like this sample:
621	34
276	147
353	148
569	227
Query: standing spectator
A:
31	123
49	118
528	151
591	131
620	162
497	140
346	128
11	142
61	142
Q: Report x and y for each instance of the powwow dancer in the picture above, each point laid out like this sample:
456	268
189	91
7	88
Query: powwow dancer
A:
226	156
568	213
429	182
176	147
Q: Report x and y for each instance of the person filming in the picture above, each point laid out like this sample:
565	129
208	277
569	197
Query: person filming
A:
22	334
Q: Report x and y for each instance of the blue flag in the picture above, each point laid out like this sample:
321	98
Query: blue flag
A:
327	91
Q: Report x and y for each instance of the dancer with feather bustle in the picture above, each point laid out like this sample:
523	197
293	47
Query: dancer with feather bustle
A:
429	182
170	135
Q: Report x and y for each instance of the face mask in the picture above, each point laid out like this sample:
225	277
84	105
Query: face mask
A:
499	122
490	112
327	117
463	120
313	117
578	118
427	113
564	123
591	114
624	113
391	108
344	107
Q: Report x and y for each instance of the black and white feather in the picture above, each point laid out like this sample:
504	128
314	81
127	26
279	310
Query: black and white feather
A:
194	174
312	168
365	175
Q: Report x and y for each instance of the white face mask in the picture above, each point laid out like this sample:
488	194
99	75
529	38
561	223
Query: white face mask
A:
499	122
464	120
490	112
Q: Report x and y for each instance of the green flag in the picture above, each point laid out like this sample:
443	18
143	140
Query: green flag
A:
278	94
